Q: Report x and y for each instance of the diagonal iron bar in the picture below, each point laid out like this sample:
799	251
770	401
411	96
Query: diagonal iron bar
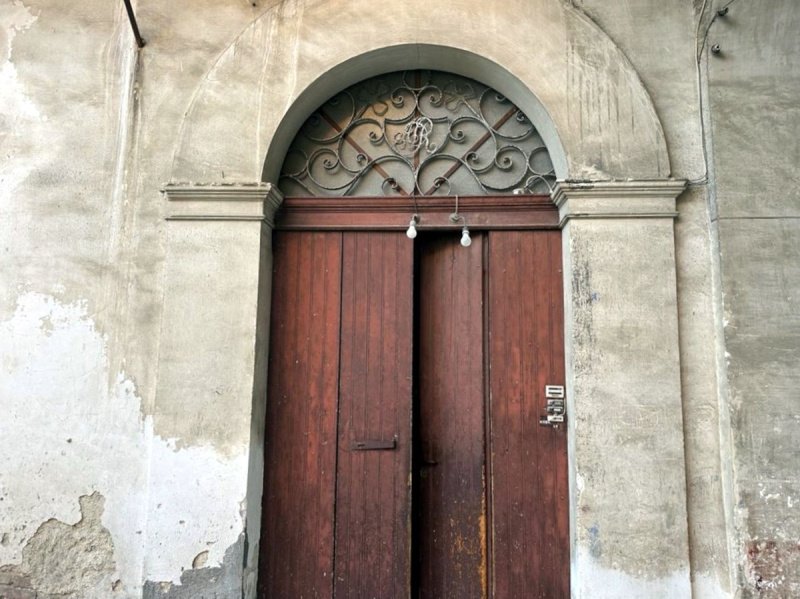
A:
140	43
359	149
484	138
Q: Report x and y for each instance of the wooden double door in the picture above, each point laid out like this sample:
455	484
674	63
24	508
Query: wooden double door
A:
404	451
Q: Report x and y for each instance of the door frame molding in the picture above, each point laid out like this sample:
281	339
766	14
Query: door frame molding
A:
393	213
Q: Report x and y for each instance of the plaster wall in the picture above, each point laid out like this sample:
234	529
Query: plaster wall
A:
113	440
754	83
83	241
664	57
629	510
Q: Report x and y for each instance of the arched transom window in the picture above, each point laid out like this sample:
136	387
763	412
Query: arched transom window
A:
419	133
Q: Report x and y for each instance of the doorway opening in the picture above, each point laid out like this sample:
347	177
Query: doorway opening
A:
386	484
408	451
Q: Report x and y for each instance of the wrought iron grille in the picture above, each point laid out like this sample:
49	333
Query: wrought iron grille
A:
417	133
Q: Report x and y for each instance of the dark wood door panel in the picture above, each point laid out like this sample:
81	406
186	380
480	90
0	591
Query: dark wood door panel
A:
490	503
373	502
530	525
300	447
451	543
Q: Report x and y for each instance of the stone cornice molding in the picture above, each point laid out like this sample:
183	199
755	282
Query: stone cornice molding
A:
225	202
617	199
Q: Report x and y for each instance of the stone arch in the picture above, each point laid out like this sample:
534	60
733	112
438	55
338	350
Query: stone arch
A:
438	58
411	128
546	56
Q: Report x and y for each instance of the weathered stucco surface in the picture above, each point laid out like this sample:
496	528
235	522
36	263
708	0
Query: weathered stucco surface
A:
70	428
81	235
578	75
754	86
224	580
629	498
91	437
664	58
131	364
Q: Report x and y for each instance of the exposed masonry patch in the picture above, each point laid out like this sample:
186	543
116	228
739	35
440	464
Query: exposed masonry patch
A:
220	582
769	569
67	561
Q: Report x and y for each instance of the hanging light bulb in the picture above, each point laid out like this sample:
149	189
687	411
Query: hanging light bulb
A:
412	227
465	238
454	218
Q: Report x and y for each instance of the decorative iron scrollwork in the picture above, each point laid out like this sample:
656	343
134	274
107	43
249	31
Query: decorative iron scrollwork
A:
417	133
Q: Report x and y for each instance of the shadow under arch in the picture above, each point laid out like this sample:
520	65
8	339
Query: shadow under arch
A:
408	57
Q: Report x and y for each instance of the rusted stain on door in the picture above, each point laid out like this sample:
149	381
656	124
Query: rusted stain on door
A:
451	504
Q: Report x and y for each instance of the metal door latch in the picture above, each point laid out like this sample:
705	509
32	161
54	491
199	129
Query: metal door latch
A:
555	407
374	445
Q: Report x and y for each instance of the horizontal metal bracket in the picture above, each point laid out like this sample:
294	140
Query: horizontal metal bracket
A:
374	445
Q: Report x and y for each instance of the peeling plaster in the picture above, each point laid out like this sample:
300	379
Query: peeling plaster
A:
221	581
190	508
66	560
89	431
91	436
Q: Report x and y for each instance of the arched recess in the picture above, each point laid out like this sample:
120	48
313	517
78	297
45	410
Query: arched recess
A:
599	121
409	57
616	205
347	258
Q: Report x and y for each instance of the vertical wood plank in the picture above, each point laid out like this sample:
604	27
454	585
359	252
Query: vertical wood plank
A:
373	502
530	523
300	445
452	525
